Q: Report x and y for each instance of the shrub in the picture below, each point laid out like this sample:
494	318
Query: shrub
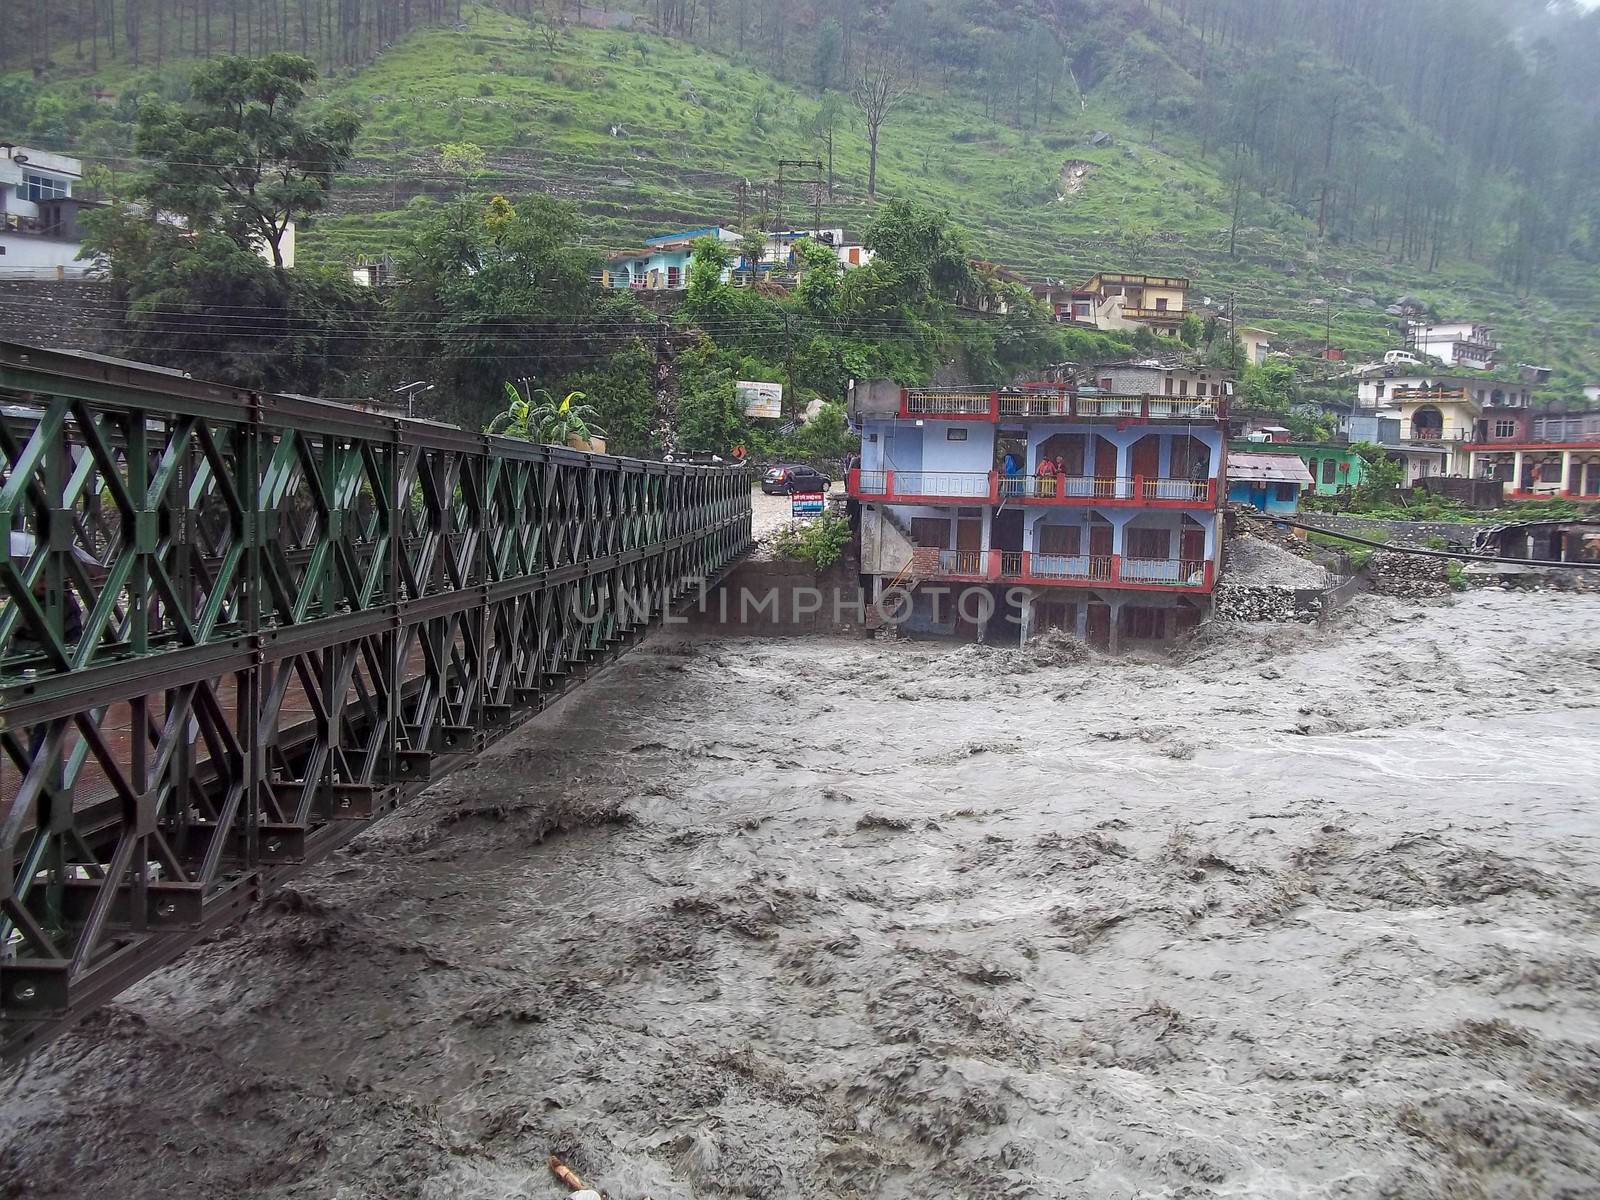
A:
1455	575
820	542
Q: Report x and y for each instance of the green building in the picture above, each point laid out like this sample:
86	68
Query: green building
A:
1332	467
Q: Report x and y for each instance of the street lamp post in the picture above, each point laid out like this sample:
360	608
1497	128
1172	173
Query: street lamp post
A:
411	391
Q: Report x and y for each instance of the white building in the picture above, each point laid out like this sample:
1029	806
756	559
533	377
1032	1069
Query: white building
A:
849	252
1376	387
39	229
1454	343
1157	377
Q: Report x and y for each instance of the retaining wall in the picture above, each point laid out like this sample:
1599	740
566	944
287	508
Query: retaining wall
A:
781	598
1415	534
70	314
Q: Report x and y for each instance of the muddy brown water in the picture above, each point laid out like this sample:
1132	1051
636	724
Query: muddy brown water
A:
1309	912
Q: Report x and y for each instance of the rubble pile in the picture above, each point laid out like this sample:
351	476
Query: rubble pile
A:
1256	563
1408	575
1263	581
1233	602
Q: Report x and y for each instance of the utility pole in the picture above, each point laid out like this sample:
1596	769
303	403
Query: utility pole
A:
1233	333
788	349
743	190
815	166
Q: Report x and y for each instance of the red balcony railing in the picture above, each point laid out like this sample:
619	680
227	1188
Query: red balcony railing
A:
925	487
1109	492
1063	570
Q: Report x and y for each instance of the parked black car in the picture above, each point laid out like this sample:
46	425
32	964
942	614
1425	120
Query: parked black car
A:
786	479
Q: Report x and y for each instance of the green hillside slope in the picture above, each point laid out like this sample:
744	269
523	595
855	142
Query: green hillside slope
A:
648	134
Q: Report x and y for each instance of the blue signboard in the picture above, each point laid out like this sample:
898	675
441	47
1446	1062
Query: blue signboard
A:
807	504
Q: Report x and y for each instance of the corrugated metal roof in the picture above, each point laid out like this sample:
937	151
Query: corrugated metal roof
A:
1268	468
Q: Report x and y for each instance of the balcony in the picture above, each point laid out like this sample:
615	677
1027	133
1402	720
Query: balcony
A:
1134	492
1152	314
925	487
1446	394
947	405
1063	405
1027	569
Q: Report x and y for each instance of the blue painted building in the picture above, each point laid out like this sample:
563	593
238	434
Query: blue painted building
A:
662	263
1269	483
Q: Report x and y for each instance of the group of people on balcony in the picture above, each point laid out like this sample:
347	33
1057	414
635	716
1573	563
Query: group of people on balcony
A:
1047	474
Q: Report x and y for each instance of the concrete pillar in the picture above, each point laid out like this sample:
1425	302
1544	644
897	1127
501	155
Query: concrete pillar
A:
1164	467
1210	522
1566	472
1114	644
1516	472
1472	464
1081	625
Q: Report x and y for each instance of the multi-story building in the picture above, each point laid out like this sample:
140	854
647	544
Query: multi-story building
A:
1538	455
1376	386
1116	539
1454	343
39	228
1116	301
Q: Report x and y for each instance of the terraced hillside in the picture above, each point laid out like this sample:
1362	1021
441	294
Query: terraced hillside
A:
648	134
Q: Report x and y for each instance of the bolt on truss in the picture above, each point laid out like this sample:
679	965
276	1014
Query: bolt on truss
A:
235	628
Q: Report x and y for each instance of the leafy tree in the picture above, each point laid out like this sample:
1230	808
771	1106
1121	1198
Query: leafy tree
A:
1269	387
465	160
240	158
753	249
491	291
827	56
297	331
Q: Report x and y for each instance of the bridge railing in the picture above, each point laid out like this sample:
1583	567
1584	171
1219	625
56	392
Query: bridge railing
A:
235	627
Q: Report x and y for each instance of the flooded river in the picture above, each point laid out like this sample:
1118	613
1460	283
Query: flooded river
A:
1309	912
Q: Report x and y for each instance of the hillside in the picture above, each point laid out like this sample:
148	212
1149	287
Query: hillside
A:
646	134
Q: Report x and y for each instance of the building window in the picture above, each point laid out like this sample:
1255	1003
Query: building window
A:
1166	384
955	435
1161	304
1200	390
1284	493
1330	470
673	278
1505	429
1107	384
43	187
1183	387
1379	390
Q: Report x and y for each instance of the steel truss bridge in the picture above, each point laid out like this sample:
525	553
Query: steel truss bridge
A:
237	628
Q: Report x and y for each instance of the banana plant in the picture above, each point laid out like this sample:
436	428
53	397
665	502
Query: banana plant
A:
540	417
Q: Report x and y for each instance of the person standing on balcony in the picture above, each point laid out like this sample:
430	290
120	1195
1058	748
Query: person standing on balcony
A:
1047	478
1011	485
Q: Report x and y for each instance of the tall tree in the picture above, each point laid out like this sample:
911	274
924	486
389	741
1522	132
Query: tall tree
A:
881	88
240	158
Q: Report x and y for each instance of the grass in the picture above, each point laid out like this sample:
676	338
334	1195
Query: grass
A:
647	135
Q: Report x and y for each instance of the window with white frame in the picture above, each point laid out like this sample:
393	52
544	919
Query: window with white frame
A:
44	187
1505	429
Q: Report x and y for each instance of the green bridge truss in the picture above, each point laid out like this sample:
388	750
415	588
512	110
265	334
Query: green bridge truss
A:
236	628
